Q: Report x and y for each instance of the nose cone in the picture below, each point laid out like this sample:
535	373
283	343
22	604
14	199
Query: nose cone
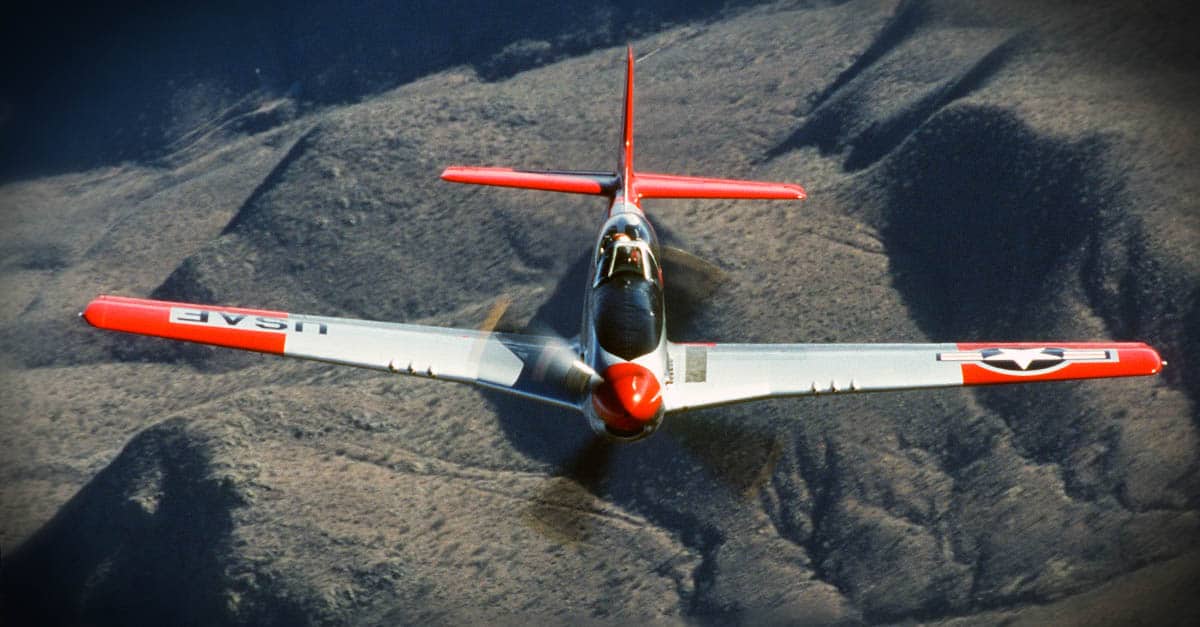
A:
636	388
629	397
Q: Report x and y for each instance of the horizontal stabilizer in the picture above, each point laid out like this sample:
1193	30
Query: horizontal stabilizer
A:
569	181
606	183
671	186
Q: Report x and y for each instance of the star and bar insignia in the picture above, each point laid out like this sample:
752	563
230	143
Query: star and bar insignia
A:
1028	360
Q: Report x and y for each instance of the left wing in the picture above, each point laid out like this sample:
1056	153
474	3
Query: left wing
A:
540	368
705	375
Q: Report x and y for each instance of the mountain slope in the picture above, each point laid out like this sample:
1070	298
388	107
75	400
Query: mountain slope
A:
973	174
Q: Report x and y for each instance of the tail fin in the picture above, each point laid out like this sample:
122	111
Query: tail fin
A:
626	167
632	185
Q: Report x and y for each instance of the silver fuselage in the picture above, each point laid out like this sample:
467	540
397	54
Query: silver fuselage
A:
624	314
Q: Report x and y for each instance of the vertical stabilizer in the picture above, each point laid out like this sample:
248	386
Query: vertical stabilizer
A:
626	168
625	182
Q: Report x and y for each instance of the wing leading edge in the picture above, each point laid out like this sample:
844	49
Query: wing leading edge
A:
534	367
706	375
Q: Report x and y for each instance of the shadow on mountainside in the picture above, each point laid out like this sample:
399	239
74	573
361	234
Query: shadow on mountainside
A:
146	542
984	220
98	97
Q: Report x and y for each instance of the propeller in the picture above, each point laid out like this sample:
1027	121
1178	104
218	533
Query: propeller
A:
682	263
690	281
741	454
496	313
565	507
562	507
557	363
733	450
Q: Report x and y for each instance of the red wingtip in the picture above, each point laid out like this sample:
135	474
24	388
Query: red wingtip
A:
95	312
1154	360
236	327
1125	359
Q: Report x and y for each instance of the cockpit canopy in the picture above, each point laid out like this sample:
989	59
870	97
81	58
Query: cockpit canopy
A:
625	256
632	226
628	246
627	299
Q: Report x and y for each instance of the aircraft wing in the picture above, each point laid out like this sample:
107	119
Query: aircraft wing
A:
539	368
704	375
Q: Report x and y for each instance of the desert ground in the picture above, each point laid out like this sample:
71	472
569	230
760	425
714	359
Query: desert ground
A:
994	171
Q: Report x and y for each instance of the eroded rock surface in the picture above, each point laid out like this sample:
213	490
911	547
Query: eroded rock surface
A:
974	173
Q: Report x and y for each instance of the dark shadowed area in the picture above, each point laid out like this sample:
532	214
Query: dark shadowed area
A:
1003	171
90	85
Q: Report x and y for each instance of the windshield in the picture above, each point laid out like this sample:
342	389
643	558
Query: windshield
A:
627	257
627	226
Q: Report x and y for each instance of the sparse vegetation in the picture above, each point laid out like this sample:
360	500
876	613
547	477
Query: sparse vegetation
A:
975	172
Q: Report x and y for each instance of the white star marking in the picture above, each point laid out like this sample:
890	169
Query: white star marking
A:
1022	357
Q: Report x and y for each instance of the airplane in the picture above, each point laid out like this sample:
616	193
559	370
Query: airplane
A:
622	372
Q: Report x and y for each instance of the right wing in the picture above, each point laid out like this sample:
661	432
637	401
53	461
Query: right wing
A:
705	375
540	368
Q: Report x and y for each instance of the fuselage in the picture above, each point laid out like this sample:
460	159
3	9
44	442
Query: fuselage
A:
624	335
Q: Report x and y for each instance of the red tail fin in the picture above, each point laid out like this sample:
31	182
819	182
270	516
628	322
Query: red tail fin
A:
625	181
626	169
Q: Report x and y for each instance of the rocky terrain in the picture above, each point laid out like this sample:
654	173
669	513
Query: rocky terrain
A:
1004	171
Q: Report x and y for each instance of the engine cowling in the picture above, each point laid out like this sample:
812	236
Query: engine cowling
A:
629	399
